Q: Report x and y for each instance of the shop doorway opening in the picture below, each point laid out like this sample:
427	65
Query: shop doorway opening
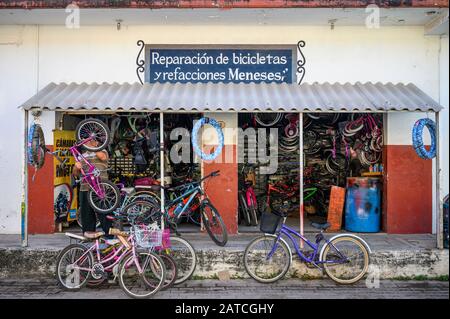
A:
341	162
134	160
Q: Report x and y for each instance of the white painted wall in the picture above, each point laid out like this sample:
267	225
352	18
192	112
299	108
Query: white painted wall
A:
18	79
444	115
31	57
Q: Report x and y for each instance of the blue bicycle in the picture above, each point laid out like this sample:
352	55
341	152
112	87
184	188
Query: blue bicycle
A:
345	257
192	198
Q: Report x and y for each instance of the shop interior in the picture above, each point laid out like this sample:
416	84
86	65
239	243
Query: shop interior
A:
336	146
134	158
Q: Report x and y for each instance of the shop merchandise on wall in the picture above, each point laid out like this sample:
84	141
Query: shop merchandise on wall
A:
336	146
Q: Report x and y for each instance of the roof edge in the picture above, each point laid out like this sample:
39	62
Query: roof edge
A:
223	4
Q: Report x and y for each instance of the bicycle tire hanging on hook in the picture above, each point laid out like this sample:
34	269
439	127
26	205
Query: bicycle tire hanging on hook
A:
417	138
36	146
203	121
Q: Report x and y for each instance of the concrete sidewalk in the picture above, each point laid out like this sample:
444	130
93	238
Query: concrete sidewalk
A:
393	256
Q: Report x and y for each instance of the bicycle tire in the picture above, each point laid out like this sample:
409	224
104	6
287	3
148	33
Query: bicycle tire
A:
244	209
253	209
183	273
161	277
287	259
145	196
171	270
145	212
216	219
417	138
62	253
277	119
110	208
36	146
327	266
95	124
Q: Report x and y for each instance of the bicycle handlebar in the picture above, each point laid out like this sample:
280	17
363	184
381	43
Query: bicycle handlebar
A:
55	154
183	186
213	174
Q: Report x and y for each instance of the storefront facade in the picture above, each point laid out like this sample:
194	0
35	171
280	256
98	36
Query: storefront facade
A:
32	56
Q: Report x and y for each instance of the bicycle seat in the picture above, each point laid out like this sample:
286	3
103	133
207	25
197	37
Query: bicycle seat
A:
128	190
321	226
75	236
93	235
154	188
85	236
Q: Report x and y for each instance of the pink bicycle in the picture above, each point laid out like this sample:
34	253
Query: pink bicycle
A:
94	136
141	272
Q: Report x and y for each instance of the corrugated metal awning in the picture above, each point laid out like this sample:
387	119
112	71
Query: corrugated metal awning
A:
199	97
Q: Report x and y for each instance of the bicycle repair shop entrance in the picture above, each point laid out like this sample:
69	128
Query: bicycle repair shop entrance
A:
406	206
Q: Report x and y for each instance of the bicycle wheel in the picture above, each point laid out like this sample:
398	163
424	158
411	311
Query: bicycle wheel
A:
214	224
68	264
145	195
244	209
109	202
253	209
311	143
95	129
143	275
184	256
171	270
260	266
142	211
346	260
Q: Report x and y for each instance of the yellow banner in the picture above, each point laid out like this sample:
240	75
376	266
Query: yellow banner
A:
65	199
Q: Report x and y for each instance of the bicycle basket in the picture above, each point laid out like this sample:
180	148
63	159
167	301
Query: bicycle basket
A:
147	236
269	222
165	243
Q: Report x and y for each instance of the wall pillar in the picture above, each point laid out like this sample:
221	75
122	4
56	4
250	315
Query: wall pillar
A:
408	181
223	190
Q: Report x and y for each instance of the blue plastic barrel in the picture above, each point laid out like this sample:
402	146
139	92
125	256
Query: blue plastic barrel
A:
363	205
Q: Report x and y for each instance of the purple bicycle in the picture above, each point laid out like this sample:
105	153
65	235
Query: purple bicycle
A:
94	136
344	257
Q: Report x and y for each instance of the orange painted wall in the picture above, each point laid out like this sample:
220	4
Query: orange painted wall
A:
40	198
407	199
223	190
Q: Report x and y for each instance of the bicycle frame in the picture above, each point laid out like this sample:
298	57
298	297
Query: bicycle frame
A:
92	175
192	192
282	189
290	233
117	255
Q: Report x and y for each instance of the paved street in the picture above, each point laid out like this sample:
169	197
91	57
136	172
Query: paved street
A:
236	289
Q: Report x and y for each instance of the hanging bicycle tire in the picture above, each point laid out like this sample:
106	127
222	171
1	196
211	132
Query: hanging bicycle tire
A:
268	119
36	146
417	138
196	147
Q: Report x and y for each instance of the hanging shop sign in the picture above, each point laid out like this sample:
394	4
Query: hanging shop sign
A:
65	201
269	64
